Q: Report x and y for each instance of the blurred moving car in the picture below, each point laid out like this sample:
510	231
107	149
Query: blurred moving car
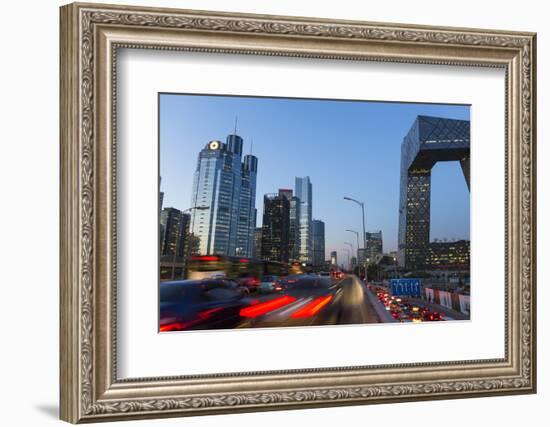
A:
200	304
337	274
249	282
269	284
304	300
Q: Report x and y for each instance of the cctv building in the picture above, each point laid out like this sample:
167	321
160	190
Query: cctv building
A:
429	140
223	199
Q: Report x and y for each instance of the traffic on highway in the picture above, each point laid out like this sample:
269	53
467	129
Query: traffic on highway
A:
324	298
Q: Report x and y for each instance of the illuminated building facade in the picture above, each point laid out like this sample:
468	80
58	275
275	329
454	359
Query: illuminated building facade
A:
455	255
429	140
276	228
318	232
304	192
223	199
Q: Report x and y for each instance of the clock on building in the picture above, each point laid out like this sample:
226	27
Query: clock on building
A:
214	145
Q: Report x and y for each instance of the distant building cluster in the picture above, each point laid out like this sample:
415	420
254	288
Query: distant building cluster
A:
222	216
289	233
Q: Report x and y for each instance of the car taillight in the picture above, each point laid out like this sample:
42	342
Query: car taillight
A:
205	314
168	327
265	307
173	327
312	308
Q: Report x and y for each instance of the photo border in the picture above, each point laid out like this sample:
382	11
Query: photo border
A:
90	37
263	97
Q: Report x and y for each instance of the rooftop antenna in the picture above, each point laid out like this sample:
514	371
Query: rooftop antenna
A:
235	130
251	145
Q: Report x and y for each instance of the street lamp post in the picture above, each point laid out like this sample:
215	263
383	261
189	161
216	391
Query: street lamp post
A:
363	212
357	235
180	232
364	231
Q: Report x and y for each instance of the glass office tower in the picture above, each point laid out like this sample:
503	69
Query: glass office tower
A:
303	190
246	222
294	224
223	199
318	233
276	228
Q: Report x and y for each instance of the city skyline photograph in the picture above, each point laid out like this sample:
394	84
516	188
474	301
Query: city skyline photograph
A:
281	131
360	202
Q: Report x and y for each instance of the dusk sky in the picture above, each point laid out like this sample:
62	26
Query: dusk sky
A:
347	148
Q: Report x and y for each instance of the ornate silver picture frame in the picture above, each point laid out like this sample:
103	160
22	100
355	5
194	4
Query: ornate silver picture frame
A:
91	36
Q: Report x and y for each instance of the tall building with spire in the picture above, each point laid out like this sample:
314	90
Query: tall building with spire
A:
246	222
223	199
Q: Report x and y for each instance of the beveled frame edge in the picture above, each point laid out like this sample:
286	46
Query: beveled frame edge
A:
89	390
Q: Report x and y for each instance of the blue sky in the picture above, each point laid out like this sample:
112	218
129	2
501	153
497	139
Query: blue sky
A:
347	148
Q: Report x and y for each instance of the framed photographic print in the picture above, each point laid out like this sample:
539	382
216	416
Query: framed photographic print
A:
265	212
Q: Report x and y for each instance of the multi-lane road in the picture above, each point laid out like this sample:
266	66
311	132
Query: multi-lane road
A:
302	300
313	300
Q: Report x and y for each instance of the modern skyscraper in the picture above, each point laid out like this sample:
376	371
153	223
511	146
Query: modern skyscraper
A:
175	224
276	228
223	200
374	244
334	258
247	209
257	249
303	189
318	239
174	241
429	140
294	224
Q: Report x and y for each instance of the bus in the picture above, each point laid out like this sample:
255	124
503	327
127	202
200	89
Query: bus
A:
233	267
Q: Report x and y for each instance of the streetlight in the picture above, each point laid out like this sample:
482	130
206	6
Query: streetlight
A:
180	232
363	211
357	235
